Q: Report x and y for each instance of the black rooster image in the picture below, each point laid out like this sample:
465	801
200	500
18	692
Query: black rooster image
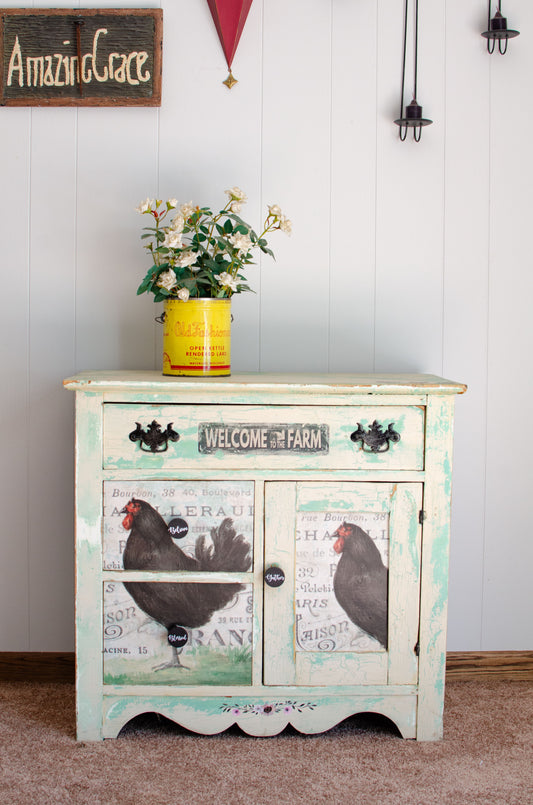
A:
190	605
361	581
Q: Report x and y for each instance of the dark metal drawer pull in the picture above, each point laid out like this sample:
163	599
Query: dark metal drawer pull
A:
155	439
375	439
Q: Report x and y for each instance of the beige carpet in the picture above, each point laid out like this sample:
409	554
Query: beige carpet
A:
486	757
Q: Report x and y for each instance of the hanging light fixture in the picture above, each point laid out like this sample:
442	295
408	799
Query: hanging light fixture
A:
498	30
413	112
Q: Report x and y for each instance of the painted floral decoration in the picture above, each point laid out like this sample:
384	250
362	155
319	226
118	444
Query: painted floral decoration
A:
199	254
267	709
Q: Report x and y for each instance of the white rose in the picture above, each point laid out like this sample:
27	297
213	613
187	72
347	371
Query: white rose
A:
236	194
187	209
172	202
172	240
275	210
241	242
285	225
177	223
186	258
145	205
167	280
183	294
227	281
235	206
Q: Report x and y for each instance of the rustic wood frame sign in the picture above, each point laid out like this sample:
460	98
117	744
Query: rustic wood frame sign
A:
81	57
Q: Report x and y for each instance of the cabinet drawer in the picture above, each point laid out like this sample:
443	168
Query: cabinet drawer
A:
239	436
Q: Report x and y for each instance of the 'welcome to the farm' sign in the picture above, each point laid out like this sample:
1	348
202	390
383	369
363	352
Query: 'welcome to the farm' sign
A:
80	57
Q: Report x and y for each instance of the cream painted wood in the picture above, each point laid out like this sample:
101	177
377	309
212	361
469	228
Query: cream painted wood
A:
278	640
434	570
312	691
230	433
402	503
89	579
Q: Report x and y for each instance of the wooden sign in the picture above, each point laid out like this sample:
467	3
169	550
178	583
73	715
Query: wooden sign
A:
80	57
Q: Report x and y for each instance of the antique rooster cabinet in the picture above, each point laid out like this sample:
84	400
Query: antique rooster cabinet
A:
261	550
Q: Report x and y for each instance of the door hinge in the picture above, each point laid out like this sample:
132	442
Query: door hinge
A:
421	516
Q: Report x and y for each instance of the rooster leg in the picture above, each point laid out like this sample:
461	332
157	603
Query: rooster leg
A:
174	662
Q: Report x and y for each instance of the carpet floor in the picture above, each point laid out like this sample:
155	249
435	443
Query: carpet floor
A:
486	756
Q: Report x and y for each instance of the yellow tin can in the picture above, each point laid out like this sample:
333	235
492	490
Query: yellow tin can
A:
197	337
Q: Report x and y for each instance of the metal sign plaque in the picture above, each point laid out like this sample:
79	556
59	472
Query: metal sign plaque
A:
258	437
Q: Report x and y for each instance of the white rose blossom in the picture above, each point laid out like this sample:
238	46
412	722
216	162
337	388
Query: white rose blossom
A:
227	281
172	202
186	258
177	223
167	280
275	210
173	240
285	225
145	205
241	242
236	194
187	209
183	294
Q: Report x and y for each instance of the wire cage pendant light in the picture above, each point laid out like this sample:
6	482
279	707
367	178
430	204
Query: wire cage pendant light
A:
498	30
412	119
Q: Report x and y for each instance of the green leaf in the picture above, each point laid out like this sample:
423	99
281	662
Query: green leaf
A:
239	220
228	227
161	294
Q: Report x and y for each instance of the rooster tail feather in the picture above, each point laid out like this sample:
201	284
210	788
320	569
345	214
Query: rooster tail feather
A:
203	552
229	551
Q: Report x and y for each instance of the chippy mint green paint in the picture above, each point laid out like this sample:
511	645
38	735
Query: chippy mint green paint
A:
407	689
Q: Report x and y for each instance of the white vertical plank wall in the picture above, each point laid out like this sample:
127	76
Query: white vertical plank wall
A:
404	257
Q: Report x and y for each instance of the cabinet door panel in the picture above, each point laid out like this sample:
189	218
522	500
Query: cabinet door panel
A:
351	555
189	509
137	650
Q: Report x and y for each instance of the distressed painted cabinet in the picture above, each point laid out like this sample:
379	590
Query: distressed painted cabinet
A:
262	550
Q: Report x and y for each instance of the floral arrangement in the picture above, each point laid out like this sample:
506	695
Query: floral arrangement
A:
200	254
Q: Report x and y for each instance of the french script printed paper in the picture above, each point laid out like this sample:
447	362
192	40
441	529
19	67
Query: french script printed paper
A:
136	644
321	623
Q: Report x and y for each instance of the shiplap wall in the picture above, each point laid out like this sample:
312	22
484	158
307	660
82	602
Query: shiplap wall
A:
404	257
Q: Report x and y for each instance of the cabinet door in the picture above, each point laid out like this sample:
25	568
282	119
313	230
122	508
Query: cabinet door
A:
178	592
347	612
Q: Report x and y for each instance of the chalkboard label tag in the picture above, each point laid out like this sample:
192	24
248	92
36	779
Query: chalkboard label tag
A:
177	636
178	528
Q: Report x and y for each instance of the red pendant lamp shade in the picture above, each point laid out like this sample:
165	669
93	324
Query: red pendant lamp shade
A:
229	17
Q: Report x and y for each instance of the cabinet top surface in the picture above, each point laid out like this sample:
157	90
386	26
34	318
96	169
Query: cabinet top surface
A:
152	381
